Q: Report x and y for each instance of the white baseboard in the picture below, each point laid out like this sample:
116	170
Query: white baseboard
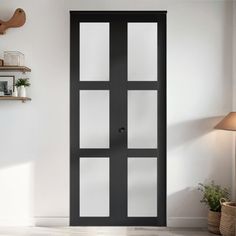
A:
12	222
51	221
185	222
35	221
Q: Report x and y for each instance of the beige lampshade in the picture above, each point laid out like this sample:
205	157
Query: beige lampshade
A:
228	123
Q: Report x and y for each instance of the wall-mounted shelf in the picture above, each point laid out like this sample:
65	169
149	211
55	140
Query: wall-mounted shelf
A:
10	98
22	69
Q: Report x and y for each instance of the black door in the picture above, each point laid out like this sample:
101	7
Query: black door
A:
118	119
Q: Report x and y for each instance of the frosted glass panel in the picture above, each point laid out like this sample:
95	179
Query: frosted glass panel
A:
142	119
142	187
94	119
94	187
94	51
142	51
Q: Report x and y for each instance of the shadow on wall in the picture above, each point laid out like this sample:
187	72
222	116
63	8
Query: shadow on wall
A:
206	156
11	161
181	203
184	132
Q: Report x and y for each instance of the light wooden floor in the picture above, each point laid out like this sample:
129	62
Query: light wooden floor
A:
100	231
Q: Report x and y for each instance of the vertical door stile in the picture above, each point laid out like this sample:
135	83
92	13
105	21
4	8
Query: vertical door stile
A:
74	120
118	128
162	119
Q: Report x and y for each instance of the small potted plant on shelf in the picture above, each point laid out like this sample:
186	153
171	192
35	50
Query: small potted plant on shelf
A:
21	84
212	194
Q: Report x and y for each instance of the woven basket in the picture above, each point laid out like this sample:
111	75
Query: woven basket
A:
214	222
228	218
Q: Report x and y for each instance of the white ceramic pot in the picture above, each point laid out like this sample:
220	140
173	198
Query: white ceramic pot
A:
22	91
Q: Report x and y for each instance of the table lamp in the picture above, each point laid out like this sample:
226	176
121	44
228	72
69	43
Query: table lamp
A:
228	123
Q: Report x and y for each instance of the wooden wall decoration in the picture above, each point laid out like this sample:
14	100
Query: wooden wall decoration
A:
17	20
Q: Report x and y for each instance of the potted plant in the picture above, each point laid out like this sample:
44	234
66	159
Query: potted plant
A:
21	84
212	193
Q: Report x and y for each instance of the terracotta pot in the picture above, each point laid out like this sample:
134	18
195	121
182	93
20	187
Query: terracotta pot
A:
214	222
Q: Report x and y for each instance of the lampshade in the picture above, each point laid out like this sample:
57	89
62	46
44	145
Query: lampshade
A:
228	123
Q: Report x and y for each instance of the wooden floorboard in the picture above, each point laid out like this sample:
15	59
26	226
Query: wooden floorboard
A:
101	231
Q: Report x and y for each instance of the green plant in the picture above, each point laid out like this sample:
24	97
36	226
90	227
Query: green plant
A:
22	82
212	193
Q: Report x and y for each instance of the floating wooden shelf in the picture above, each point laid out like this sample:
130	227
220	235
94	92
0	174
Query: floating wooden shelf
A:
15	68
10	98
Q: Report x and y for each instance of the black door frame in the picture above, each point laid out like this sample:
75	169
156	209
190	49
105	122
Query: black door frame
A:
118	86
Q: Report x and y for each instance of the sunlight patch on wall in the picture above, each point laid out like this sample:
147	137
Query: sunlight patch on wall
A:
16	194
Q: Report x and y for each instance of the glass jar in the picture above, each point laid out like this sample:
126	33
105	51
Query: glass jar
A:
14	58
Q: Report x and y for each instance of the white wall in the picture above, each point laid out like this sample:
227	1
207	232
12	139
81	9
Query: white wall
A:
34	137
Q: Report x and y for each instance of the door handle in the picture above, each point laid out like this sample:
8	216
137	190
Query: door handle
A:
121	130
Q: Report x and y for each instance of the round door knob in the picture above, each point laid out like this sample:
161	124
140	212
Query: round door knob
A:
121	130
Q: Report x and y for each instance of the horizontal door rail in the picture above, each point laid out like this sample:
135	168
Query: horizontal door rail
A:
130	85
107	152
